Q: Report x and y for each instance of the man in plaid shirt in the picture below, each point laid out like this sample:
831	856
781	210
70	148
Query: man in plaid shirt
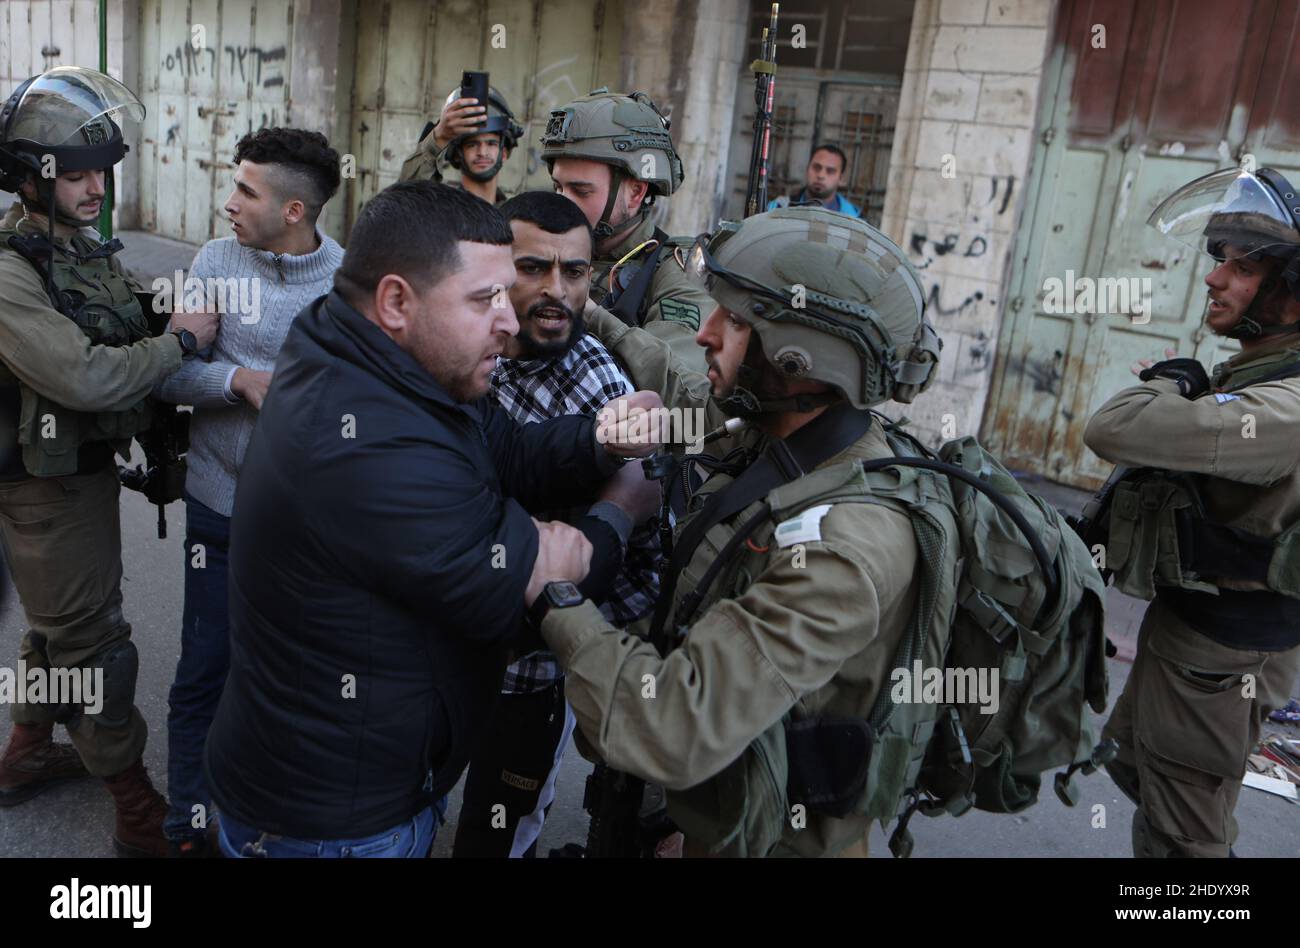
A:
552	367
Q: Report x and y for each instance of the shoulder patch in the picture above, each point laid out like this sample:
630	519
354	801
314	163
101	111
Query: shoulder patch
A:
678	311
804	528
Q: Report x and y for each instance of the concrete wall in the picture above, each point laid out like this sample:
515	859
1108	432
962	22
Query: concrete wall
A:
961	155
687	55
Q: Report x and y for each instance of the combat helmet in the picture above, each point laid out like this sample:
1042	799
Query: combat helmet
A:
499	120
627	132
1234	214
64	114
830	298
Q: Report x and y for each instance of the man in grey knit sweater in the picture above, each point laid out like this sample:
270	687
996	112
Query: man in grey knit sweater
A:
276	263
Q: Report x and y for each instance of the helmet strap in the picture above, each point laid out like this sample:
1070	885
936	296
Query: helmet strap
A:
604	230
482	177
751	399
1251	326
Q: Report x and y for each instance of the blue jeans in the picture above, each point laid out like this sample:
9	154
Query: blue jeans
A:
201	671
411	839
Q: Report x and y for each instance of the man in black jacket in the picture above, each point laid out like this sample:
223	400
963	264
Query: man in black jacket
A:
382	556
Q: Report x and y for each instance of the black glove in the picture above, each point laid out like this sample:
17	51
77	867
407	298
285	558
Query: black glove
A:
1188	373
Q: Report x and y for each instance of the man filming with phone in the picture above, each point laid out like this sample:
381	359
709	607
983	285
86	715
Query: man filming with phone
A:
475	133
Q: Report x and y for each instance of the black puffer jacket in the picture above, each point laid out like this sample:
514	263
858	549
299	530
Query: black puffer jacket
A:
380	548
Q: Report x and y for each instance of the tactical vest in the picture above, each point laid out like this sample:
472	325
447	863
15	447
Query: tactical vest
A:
982	603
1159	534
103	305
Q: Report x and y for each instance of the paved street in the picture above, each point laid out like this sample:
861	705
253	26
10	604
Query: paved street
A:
76	818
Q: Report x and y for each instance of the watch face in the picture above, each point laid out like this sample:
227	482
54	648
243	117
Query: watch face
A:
563	594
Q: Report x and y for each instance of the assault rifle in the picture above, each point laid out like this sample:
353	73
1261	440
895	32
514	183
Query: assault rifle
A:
162	476
629	818
764	68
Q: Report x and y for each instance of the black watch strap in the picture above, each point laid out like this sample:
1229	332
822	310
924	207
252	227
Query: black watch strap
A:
557	595
189	344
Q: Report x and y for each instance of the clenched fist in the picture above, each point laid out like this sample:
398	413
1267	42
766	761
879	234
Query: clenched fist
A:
563	555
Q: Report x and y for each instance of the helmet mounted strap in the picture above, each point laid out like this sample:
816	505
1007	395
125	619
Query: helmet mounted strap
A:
604	230
1250	326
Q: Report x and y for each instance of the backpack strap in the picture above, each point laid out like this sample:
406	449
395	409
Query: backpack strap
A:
781	462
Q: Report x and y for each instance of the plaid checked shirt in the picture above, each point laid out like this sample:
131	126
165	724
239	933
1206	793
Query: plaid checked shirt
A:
578	383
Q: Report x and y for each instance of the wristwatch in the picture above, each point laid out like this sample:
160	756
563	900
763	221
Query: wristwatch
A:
554	595
189	344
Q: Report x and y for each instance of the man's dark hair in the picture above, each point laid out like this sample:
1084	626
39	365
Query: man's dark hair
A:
306	167
834	150
552	212
411	229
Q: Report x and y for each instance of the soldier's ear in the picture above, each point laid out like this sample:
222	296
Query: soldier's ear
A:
636	194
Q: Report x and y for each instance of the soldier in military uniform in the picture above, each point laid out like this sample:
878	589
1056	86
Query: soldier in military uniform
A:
76	362
1209	529
474	138
613	156
778	605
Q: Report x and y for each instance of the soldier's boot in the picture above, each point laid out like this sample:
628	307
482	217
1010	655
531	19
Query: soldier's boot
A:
140	813
33	762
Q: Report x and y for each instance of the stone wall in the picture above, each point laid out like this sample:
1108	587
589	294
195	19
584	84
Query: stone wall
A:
962	148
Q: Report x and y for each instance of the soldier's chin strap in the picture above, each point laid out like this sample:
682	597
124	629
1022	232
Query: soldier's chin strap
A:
482	177
749	400
1249	326
604	229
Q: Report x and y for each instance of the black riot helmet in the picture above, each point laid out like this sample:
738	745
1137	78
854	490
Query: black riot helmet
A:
1234	214
61	121
499	120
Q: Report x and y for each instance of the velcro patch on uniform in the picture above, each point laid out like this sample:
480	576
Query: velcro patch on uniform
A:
804	528
1222	397
675	311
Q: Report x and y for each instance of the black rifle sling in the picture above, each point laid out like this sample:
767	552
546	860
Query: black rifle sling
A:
781	462
626	304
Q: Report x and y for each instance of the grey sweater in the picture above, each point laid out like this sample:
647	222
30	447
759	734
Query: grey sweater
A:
250	337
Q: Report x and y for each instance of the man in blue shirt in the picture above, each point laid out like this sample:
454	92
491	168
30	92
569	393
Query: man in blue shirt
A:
821	183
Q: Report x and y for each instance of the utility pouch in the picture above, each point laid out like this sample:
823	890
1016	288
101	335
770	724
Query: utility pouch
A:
828	759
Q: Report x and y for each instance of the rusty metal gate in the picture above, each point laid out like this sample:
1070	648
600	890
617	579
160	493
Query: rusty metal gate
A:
1180	88
841	87
409	54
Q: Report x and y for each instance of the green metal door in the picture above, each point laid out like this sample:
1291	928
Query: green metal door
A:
1180	88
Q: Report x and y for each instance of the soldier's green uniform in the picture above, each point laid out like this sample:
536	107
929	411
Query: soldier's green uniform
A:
424	164
1220	645
629	134
807	618
72	391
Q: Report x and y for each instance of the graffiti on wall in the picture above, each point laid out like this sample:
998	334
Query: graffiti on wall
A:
264	67
975	246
